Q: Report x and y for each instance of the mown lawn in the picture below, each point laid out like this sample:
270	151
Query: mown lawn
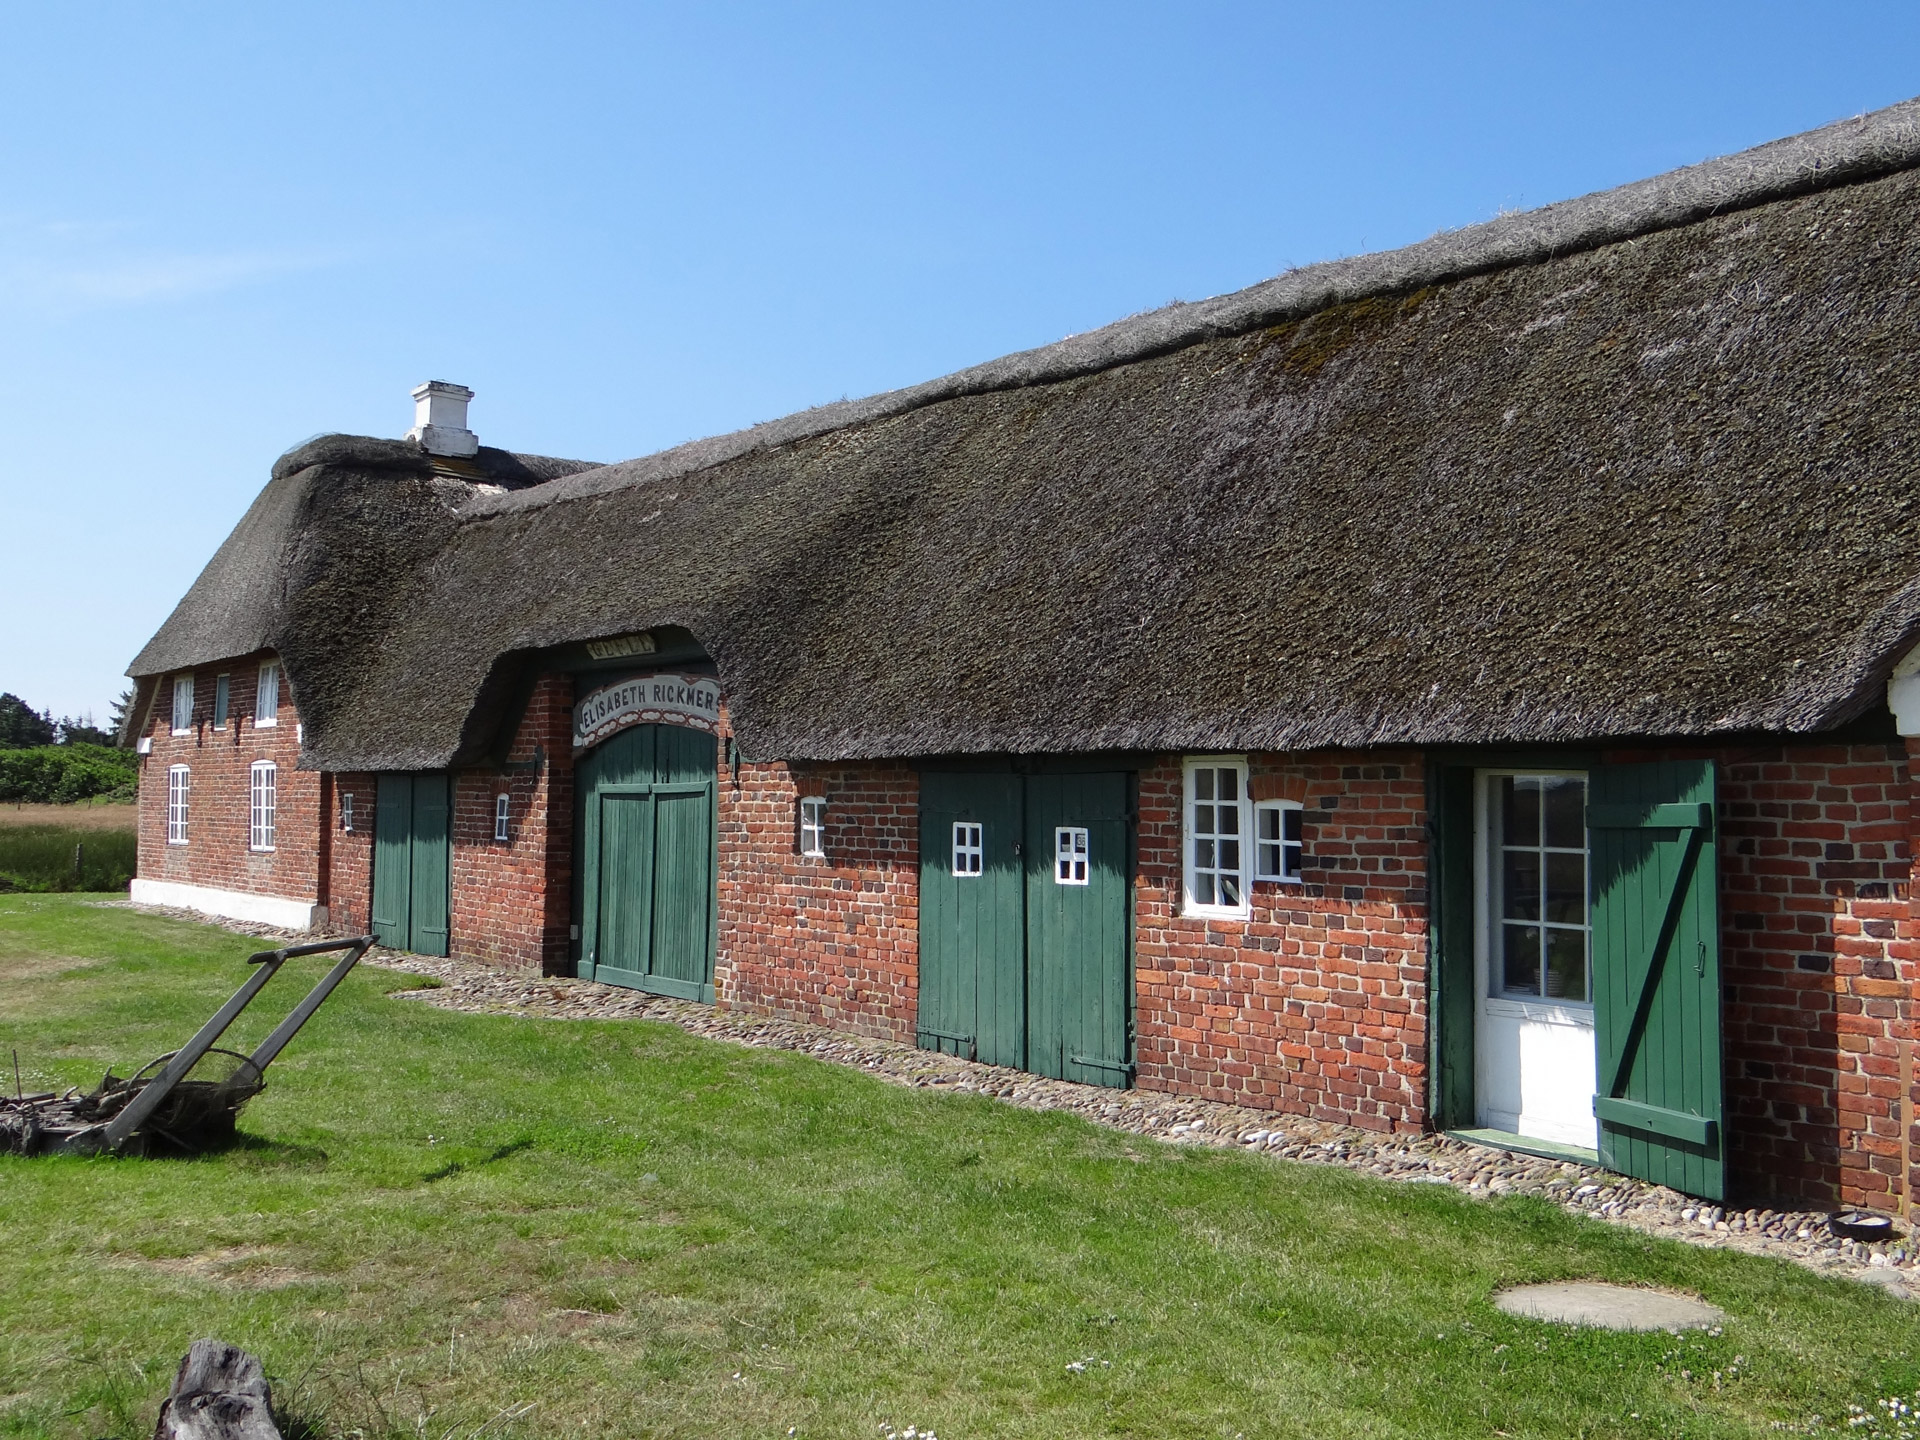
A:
435	1217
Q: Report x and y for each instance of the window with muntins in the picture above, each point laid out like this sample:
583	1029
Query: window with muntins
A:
813	826
1538	827
222	694
1216	850
346	811
1278	843
266	699
182	704
502	817
969	847
1070	855
177	785
264	788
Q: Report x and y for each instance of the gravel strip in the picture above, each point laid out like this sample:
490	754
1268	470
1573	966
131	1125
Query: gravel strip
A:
1802	1236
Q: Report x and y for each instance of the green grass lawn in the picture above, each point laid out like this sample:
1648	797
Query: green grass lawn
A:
434	1217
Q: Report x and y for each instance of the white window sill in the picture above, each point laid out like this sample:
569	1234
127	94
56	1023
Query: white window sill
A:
180	843
1215	912
260	849
266	724
187	731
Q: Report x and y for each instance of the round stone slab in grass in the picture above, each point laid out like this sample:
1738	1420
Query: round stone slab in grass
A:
1608	1307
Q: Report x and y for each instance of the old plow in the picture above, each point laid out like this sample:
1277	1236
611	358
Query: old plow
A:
181	1102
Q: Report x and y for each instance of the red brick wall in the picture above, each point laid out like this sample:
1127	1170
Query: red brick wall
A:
1817	968
217	853
834	940
350	854
1316	1004
512	899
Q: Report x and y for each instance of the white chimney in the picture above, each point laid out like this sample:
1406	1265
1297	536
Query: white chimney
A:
440	419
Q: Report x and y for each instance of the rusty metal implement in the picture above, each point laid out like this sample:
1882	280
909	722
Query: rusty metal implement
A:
192	1101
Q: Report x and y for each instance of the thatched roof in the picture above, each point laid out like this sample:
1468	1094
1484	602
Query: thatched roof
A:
1635	464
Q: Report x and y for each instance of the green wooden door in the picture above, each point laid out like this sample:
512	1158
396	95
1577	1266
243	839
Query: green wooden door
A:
1078	965
393	861
411	860
648	888
972	925
1656	964
429	864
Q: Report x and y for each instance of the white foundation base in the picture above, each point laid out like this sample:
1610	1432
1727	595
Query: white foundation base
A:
274	910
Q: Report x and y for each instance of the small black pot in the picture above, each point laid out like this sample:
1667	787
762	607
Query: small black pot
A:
1862	1225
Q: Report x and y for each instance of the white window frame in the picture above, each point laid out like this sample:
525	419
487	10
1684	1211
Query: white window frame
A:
503	817
1270	856
1071	846
263	805
179	792
222	698
183	704
969	849
1188	839
266	696
813	826
346	811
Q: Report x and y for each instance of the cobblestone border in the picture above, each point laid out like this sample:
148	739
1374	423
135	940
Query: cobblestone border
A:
1801	1236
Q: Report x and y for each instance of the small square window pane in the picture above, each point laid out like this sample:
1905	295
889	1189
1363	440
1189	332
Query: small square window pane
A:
1229	784
1294	823
1226	820
1230	888
1203	784
1230	856
1269	822
1567	889
1291	857
1567	964
1564	807
1203	820
1520	884
1520	810
1203	893
1520	959
1203	854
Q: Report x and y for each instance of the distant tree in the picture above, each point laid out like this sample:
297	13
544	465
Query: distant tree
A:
76	731
20	728
122	708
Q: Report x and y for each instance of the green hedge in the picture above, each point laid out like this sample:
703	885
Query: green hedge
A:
41	857
59	774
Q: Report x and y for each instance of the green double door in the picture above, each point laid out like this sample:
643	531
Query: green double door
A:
647	896
411	854
1025	945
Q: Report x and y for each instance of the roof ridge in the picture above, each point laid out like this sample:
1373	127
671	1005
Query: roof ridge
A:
1863	147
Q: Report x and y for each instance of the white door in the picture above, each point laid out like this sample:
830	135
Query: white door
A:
1534	1035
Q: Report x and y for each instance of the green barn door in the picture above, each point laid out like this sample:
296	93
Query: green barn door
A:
972	925
1656	961
429	864
1077	951
411	854
393	862
648	890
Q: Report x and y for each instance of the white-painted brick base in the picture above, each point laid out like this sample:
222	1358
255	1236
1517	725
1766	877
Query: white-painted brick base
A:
275	910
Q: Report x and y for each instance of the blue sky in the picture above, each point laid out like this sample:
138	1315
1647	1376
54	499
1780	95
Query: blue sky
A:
224	229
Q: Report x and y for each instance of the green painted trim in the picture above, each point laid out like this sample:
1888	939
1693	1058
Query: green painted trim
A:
1450	962
1527	1145
1658	1120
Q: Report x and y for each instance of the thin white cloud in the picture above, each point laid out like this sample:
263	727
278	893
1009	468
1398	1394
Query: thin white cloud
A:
67	266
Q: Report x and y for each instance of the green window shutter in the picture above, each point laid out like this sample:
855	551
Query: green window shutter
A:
1656	974
430	863
392	861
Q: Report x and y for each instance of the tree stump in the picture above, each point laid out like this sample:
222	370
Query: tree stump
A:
220	1393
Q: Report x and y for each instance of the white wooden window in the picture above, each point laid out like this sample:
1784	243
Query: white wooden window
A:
1277	841
182	704
346	811
1537	874
502	817
969	847
1070	855
264	786
222	694
813	826
178	782
1216	834
266	699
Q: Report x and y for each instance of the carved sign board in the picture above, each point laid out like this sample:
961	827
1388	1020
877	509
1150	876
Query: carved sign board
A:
616	647
692	701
